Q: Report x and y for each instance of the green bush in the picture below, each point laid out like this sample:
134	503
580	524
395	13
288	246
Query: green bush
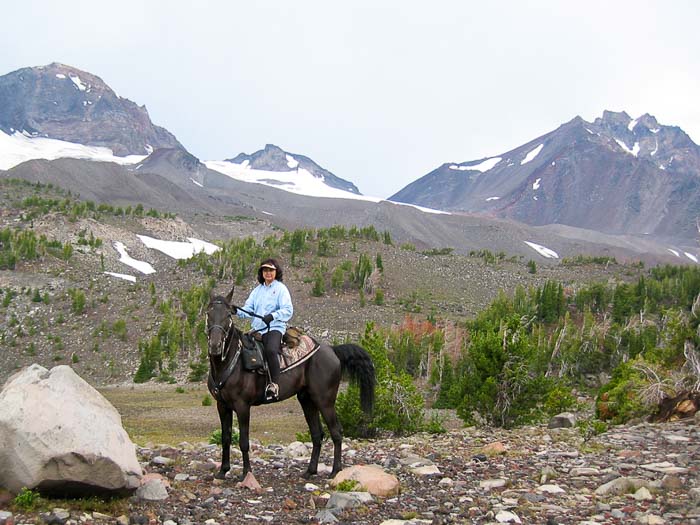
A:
206	400
348	485
27	499
619	400
398	405
215	437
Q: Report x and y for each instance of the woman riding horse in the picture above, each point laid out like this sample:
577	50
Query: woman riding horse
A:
315	383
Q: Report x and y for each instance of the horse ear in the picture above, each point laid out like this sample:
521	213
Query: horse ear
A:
230	295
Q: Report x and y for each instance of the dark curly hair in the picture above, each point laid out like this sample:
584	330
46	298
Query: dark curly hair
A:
279	275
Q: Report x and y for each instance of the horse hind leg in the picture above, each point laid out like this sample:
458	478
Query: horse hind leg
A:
331	419
314	422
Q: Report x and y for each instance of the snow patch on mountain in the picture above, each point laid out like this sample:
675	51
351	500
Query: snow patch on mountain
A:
299	181
542	250
634	151
18	148
532	154
483	166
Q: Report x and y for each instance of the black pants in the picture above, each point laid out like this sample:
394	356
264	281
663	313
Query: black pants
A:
272	342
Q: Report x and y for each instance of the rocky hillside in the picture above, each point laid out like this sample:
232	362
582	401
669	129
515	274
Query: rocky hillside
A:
614	175
61	102
63	308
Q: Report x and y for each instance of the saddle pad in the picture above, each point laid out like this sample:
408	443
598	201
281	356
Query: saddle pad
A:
291	357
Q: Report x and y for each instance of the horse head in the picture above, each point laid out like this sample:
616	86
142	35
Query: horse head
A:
219	324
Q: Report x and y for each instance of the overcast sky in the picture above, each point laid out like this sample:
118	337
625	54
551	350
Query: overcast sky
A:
378	92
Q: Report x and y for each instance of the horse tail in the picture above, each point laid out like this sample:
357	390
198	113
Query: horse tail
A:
358	364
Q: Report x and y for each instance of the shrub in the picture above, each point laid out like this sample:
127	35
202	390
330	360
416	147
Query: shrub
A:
27	499
77	300
348	485
119	329
206	400
398	404
559	399
215	438
379	297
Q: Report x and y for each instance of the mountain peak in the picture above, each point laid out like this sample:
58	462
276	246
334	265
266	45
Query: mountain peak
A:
62	102
274	159
614	118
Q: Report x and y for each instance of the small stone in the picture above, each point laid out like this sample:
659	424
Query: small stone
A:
563	420
489	484
504	516
551	489
643	494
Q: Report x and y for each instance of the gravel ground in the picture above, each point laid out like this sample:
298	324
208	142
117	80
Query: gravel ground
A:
645	473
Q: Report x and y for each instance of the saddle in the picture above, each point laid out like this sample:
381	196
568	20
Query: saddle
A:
296	348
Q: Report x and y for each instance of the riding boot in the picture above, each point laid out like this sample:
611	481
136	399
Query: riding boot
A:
272	342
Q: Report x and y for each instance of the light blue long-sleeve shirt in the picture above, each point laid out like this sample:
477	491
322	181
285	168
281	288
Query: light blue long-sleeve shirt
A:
273	299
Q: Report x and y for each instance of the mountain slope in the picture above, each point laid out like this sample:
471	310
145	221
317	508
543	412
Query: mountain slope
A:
614	175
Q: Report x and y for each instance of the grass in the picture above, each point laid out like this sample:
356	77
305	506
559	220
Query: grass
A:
162	414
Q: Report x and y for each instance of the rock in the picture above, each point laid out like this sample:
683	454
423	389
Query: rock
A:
426	470
406	522
6	518
494	449
372	478
326	516
251	483
152	490
551	489
348	500
620	486
489	484
297	449
505	516
643	494
563	420
62	436
665	467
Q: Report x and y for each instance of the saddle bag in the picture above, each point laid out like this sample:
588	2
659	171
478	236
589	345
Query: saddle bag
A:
292	337
251	356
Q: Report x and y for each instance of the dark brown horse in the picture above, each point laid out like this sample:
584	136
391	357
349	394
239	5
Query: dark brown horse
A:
315	383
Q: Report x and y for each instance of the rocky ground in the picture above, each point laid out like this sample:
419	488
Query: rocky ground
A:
644	473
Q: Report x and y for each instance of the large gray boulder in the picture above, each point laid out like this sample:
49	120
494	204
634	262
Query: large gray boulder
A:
60	436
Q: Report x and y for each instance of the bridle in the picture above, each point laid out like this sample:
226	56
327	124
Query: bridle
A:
224	330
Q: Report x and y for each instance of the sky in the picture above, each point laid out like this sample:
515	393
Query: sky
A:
377	92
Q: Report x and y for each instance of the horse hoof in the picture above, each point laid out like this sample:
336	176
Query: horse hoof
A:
308	475
220	475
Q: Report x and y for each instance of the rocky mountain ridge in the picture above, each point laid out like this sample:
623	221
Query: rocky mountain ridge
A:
614	175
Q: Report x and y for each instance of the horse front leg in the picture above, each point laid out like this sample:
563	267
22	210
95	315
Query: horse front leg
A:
243	415
226	419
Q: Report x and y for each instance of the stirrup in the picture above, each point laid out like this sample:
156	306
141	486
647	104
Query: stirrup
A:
272	392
